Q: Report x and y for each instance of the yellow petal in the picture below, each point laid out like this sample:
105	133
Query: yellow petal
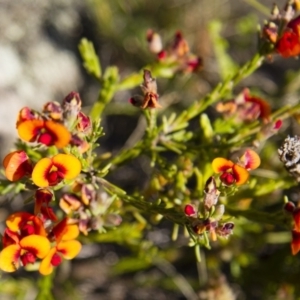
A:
40	172
67	163
59	132
38	245
221	164
28	130
46	267
9	258
14	221
69	249
71	233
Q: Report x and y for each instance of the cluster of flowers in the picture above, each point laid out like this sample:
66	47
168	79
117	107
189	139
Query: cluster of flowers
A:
45	166
209	216
177	53
283	29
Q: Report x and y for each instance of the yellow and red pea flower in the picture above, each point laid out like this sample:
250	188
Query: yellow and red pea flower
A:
232	173
51	171
25	224
64	230
27	250
24	240
46	132
66	246
22	246
17	165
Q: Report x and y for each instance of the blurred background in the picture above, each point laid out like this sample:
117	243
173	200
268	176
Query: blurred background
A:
40	62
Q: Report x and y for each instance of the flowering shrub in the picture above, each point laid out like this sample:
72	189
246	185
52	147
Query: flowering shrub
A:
208	178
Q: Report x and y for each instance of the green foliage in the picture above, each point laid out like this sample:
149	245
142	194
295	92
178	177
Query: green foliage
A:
90	58
182	187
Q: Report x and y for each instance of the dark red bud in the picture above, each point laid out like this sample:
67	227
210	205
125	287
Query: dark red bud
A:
289	207
190	210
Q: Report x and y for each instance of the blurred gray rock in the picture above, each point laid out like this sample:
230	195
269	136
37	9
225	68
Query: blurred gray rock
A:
34	68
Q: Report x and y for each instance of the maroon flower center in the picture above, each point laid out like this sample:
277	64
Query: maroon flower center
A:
28	258
227	178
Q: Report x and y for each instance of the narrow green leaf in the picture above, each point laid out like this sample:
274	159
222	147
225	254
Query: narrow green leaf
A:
91	61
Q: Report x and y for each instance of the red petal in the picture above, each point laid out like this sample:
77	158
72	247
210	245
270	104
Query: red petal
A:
288	45
296	216
295	245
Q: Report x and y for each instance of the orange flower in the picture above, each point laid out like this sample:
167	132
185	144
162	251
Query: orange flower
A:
26	251
66	246
46	132
24	240
17	165
25	224
232	173
51	171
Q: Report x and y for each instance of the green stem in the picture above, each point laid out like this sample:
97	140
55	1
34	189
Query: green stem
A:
45	284
108	89
220	91
259	216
